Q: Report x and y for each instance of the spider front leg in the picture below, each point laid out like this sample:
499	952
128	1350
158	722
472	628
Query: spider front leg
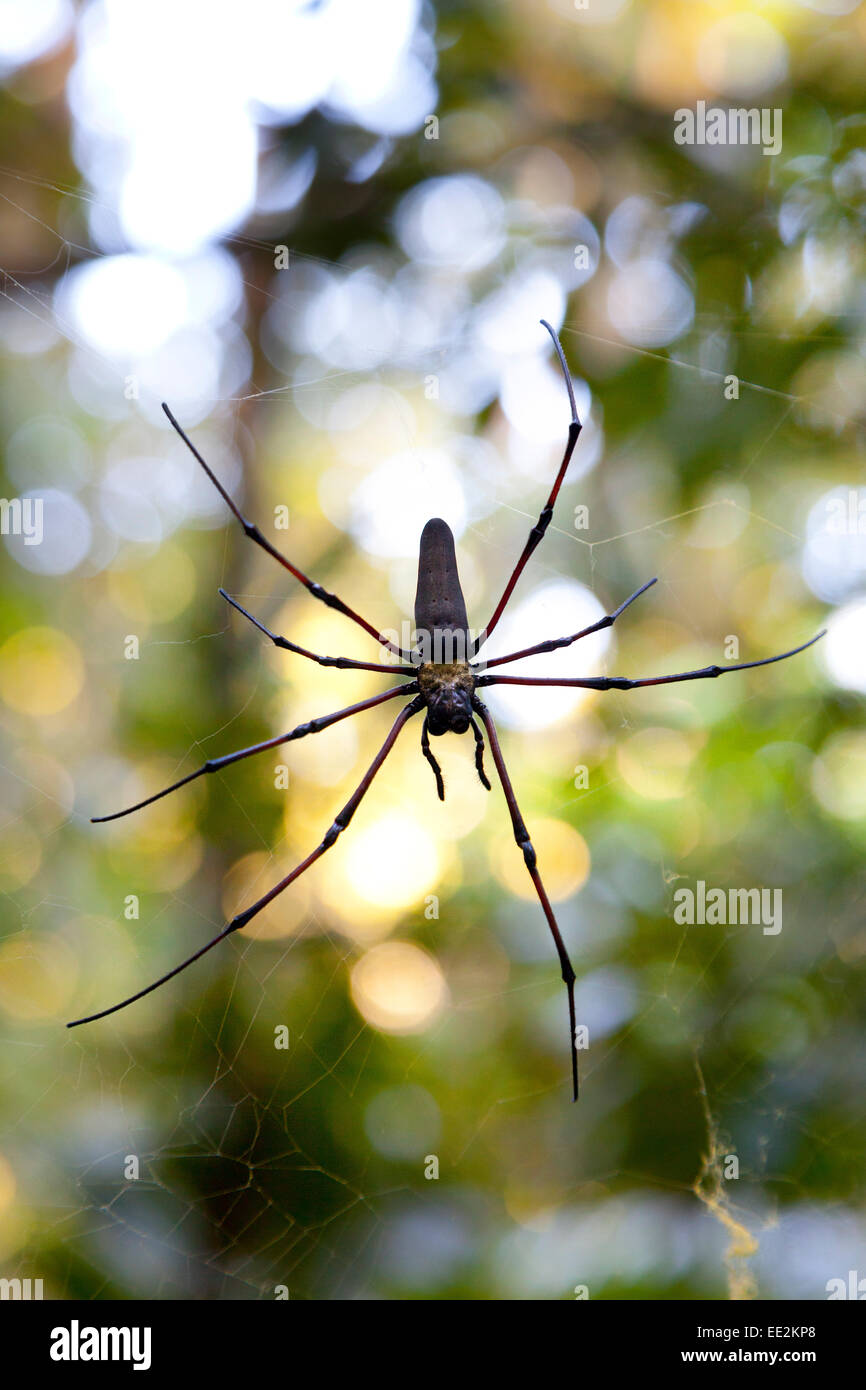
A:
536	535
251	529
341	820
554	643
343	663
479	756
437	771
521	835
428	754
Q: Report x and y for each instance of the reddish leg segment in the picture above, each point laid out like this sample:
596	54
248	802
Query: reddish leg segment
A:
251	530
344	663
555	642
521	835
541	525
623	683
339	825
312	726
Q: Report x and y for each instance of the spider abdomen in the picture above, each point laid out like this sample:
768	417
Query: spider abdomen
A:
442	628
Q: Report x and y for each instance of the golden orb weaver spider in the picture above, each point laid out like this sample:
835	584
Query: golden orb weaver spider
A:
443	680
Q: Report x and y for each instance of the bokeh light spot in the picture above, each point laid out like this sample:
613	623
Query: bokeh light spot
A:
393	862
37	977
403	1122
41	671
742	55
839	775
845	647
66	534
557	608
649	304
27	31
250	878
398	988
655	763
156	591
20	856
124	306
563	860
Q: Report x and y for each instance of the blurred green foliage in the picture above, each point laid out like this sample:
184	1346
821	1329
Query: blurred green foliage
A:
305	1167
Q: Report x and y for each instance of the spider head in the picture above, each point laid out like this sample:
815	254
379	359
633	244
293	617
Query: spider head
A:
447	690
449	711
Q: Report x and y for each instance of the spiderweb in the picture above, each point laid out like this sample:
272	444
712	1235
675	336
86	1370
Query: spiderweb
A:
181	1151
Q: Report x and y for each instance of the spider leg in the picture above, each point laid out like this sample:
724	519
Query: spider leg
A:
541	525
479	755
243	918
251	530
425	749
621	683
312	726
555	642
521	835
345	663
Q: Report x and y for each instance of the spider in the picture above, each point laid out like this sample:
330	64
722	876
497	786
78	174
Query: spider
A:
443	680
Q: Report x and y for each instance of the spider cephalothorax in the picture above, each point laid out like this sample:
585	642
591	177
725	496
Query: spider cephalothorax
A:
447	691
439	676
